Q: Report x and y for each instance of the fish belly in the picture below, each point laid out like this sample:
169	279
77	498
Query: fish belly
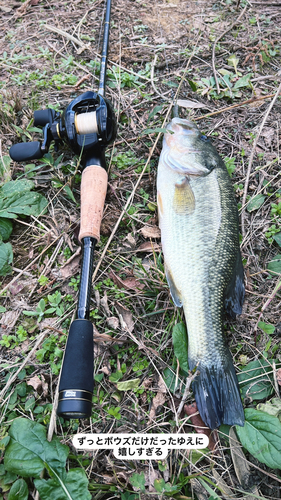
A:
198	274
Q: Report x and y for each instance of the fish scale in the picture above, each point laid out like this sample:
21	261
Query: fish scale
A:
200	239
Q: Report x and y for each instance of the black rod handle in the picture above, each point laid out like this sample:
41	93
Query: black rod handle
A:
77	377
25	151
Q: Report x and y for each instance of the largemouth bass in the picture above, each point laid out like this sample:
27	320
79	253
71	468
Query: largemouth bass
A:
198	219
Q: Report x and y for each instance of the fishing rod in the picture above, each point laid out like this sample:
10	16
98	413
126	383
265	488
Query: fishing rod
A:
87	125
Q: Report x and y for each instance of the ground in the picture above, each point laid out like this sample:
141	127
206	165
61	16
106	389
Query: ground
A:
221	60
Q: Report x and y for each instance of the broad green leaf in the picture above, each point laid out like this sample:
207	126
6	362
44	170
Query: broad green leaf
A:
266	327
277	238
261	436
19	490
255	381
128	385
244	81
16	199
6	227
162	487
274	266
180	345
138	481
29	452
255	202
69	486
6	258
155	110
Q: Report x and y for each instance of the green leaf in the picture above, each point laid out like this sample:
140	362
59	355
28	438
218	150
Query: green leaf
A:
261	436
255	381
69	486
153	131
138	481
6	228
233	61
170	379
16	199
255	202
128	385
162	487
274	266
277	238
6	258
244	81
69	193
180	345
5	168
155	110
18	491
266	327
29	452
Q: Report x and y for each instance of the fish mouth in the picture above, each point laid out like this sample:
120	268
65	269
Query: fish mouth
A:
191	168
183	126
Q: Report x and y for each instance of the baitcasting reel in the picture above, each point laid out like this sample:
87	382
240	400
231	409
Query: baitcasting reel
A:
88	122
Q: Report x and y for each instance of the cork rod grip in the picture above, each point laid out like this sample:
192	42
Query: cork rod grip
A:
93	193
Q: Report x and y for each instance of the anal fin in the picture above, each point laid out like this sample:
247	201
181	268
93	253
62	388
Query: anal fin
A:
173	289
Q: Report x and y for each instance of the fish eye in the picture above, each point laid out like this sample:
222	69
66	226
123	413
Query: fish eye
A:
204	138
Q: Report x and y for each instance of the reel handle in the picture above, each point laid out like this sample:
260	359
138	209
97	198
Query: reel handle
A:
93	193
25	151
77	380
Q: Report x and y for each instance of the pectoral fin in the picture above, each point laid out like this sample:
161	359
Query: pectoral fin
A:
235	292
184	200
173	289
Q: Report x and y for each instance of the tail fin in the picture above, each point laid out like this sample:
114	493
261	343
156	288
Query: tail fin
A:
217	394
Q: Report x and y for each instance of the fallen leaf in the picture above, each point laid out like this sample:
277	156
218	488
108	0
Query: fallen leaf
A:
126	316
150	232
72	266
199	426
10	318
149	247
38	383
113	322
185	103
150	475
159	399
128	283
104	304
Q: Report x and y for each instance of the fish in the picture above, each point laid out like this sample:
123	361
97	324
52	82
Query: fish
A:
199	224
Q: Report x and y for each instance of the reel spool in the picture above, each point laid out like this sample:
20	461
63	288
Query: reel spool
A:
87	121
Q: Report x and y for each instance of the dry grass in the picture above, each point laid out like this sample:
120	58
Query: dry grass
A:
153	41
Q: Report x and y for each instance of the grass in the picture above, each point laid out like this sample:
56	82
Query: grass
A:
131	307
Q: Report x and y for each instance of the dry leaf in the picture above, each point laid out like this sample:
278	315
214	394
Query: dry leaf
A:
126	316
150	475
159	399
10	318
71	267
149	247
128	283
37	383
199	426
185	103
150	232
113	322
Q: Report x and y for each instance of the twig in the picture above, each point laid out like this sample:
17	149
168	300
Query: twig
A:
252	158
189	379
217	40
248	101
